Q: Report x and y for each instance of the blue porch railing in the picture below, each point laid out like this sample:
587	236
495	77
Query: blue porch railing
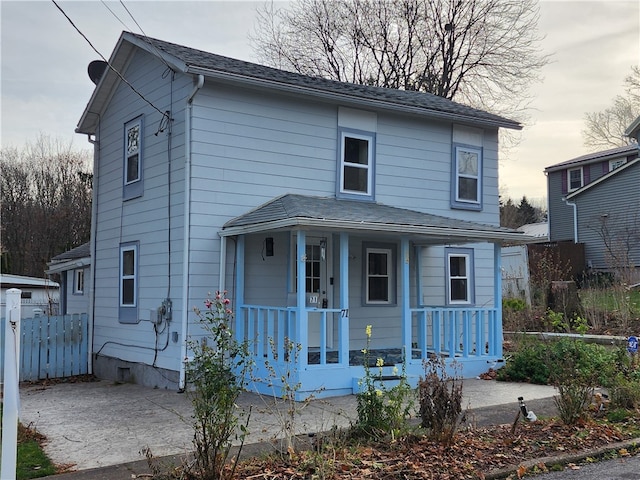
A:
456	332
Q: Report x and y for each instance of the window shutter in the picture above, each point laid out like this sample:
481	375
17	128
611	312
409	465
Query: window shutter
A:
565	187
586	172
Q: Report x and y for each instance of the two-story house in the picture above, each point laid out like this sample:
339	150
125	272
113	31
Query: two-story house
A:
594	200
320	206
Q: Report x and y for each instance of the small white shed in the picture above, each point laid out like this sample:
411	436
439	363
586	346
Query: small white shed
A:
40	296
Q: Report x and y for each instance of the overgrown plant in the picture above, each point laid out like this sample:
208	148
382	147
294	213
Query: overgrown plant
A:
217	375
381	410
283	374
440	398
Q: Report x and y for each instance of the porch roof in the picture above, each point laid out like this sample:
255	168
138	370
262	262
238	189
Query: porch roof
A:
292	211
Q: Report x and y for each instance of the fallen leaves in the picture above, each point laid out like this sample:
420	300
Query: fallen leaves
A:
474	454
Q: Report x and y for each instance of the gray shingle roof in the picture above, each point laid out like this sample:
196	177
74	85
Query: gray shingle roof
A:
291	209
625	150
81	251
198	61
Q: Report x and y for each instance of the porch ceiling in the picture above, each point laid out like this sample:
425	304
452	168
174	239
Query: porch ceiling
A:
300	211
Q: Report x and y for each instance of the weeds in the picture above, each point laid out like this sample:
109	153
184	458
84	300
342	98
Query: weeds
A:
381	411
440	398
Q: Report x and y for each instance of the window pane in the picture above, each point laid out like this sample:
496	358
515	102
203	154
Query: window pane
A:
355	179
132	168
468	189
575	179
457	266
356	150
128	262
127	291
133	139
379	289
468	163
377	264
459	289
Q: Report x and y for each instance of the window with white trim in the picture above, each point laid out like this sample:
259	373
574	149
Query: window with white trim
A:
133	159
356	156
467	177
613	164
459	272
575	179
78	281
128	282
379	278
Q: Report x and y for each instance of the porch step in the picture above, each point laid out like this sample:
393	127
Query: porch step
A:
385	382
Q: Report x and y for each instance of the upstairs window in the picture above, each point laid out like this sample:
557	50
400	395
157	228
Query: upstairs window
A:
575	179
356	156
133	159
459	268
78	281
613	164
467	178
128	283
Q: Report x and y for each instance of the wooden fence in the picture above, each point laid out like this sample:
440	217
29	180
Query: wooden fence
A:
50	347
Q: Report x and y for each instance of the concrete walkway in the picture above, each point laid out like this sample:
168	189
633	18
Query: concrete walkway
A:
97	424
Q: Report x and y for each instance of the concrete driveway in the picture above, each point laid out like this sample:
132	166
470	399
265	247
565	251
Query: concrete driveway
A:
96	424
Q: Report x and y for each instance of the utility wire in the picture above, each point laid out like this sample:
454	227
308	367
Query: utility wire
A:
106	61
145	36
114	14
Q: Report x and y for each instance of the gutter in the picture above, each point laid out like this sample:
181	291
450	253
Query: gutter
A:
443	232
187	234
575	219
92	248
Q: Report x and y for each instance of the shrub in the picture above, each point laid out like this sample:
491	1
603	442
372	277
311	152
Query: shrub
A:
440	398
217	375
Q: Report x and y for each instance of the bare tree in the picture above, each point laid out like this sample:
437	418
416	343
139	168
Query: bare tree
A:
484	53
45	195
605	129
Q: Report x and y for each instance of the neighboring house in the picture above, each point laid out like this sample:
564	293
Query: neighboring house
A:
39	296
595	200
321	207
74	268
516	274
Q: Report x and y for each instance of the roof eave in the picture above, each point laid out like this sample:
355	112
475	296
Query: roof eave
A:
343	97
64	265
431	231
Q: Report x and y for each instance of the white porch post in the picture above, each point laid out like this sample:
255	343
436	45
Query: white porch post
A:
344	299
406	307
497	295
302	327
11	393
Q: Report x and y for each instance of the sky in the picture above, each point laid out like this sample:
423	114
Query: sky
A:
44	83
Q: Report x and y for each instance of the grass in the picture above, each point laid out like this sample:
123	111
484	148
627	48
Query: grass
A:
31	459
611	299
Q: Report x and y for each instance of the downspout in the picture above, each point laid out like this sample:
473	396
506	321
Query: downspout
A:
575	219
92	249
187	233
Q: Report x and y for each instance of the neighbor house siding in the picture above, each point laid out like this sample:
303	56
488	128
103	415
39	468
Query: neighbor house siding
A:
610	211
144	219
560	214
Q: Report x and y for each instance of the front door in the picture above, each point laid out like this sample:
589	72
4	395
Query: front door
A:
317	288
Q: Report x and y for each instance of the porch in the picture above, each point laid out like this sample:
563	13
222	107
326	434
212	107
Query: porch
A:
341	265
471	336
